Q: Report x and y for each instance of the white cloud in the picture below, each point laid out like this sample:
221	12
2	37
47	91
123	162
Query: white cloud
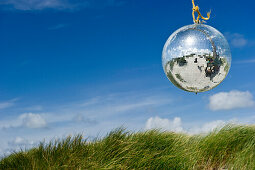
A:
175	125
131	106
207	127
80	118
19	141
92	101
34	108
236	40
31	5
231	100
110	105
15	145
7	104
27	120
246	61
27	5
31	120
239	42
4	105
164	124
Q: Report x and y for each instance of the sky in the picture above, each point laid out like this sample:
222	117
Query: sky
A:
90	66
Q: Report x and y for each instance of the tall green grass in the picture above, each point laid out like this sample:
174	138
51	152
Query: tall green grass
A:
232	147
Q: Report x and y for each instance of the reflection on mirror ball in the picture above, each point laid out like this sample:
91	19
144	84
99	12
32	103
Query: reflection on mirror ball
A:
196	58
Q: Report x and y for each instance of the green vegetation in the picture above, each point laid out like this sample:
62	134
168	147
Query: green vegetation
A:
232	147
204	89
172	79
181	61
178	76
224	61
171	64
192	88
226	68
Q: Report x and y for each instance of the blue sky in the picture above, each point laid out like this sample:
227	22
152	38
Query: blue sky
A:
90	66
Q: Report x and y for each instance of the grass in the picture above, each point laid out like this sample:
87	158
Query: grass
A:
232	147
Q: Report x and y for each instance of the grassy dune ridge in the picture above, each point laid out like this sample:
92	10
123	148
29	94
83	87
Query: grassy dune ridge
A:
232	147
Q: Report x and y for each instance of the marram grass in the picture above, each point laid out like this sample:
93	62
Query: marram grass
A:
232	147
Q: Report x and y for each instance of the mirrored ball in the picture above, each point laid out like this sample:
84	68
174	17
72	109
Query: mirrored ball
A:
196	58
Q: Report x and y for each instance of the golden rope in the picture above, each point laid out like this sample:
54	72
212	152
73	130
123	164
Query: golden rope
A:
196	9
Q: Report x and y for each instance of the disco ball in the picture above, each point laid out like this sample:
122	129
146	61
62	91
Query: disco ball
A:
196	58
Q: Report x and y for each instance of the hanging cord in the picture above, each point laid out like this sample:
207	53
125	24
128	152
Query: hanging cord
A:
196	9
